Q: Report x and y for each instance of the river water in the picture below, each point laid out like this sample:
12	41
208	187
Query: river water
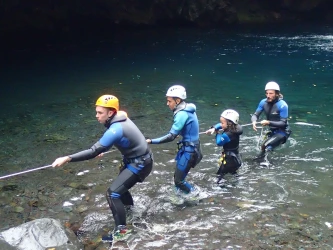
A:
47	110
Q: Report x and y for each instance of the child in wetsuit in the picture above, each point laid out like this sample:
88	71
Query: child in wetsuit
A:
228	132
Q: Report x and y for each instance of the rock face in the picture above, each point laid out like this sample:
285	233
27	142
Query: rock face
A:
83	15
38	235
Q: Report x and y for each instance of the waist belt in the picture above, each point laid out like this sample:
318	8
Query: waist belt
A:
232	153
138	159
188	143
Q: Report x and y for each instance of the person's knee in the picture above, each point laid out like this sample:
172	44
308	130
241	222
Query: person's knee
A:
111	194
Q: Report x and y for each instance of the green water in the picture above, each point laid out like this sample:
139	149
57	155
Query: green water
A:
47	101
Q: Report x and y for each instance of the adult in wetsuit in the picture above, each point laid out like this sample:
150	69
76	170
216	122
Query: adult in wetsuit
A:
122	133
185	123
228	133
276	110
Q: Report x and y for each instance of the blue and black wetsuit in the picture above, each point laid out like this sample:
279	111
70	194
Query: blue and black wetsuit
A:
185	123
137	161
230	160
277	115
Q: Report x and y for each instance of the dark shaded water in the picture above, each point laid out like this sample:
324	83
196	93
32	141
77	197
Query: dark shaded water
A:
47	110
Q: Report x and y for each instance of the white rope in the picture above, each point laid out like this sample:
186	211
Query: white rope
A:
296	123
35	169
245	125
23	172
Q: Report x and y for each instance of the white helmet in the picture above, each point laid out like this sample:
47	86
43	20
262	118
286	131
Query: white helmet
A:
273	86
177	91
231	115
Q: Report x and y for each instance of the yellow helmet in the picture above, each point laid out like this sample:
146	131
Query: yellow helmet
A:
108	101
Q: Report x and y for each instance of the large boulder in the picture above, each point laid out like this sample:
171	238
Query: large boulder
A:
39	234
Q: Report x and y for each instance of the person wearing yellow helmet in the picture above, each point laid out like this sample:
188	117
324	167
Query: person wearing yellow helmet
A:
227	135
185	123
122	133
276	111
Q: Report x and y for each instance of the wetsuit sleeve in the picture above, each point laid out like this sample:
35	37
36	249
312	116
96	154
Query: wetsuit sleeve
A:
217	126
178	124
279	124
95	150
113	134
258	111
239	129
166	138
222	139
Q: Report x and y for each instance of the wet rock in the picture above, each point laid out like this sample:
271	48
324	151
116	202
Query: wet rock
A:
18	209
39	235
68	209
33	203
75	227
5	246
4	200
9	187
78	186
294	225
81	208
304	216
96	243
309	235
244	204
74	184
54	138
103	246
66	191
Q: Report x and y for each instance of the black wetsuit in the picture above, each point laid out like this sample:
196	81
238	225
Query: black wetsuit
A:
137	161
277	115
230	160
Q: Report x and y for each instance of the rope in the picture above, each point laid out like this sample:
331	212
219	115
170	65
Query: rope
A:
35	169
23	172
245	125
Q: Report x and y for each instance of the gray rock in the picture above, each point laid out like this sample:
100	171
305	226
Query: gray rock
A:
38	235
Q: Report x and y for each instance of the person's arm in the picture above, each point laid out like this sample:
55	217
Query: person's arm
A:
257	114
222	139
279	124
214	129
178	124
108	139
166	138
255	117
87	154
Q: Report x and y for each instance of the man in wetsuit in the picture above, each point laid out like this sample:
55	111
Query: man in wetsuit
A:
122	133
276	110
185	123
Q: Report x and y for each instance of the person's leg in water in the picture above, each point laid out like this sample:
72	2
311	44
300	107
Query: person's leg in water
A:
270	144
185	162
229	165
117	195
127	199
